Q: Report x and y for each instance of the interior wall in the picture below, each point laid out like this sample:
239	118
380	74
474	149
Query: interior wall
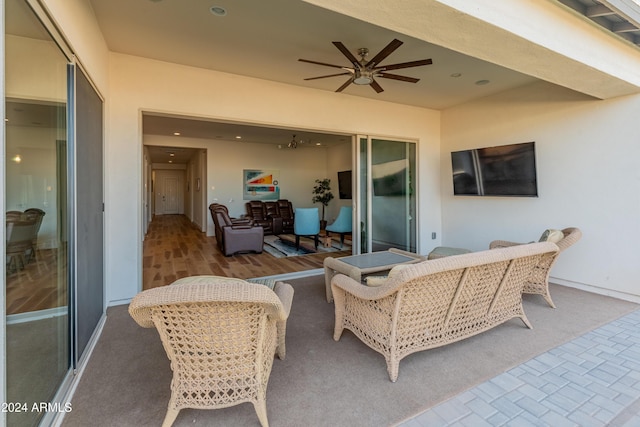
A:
297	170
586	153
32	182
339	158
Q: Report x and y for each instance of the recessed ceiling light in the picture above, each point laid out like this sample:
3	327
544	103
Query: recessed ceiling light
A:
218	11
238	137
318	143
176	133
456	75
482	82
172	154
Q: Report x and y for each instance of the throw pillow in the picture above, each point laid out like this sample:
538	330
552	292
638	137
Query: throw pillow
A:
551	235
381	280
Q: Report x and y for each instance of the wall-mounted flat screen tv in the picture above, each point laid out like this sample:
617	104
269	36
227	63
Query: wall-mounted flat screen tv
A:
344	184
507	170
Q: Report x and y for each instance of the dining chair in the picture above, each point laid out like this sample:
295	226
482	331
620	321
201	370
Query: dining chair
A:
342	224
306	224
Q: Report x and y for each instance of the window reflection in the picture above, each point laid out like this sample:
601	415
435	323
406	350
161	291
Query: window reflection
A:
35	198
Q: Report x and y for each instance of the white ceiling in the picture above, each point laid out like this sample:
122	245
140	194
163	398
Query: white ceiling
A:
265	39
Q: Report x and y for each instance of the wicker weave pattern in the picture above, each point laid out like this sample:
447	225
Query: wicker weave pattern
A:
538	282
436	302
220	335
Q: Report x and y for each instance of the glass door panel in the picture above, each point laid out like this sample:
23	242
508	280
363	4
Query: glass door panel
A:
387	183
363	205
36	281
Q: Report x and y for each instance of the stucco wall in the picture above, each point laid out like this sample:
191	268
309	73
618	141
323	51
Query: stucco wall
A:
587	152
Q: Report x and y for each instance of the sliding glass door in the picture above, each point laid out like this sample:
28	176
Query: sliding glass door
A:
38	337
387	194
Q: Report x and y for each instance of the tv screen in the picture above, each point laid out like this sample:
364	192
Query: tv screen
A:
344	184
507	170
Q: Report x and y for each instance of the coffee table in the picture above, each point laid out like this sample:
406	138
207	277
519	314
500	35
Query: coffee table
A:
356	266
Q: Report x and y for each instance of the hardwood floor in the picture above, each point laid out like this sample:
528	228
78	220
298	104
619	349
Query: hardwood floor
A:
175	248
35	287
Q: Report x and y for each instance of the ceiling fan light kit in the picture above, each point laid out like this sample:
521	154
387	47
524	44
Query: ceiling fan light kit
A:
363	72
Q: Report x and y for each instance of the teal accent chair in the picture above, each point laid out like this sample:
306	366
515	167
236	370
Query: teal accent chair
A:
307	224
342	224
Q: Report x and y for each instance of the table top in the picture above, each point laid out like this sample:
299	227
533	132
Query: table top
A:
376	259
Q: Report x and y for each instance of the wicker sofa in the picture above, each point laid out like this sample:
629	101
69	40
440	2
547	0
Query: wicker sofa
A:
436	302
538	283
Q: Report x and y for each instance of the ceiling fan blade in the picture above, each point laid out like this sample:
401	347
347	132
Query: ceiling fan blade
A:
329	75
374	84
395	43
321	63
347	83
405	65
397	77
342	48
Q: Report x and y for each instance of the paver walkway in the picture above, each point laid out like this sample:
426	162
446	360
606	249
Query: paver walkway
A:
591	381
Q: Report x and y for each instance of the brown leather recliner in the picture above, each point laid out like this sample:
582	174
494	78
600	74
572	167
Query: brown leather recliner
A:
275	217
233	238
214	206
285	211
257	212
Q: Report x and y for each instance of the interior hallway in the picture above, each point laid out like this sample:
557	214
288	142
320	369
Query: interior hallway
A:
175	248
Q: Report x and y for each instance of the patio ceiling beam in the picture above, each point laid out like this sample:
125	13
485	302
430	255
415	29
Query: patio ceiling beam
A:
627	9
624	27
598	10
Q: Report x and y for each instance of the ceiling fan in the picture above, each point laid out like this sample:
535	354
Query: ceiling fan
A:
363	71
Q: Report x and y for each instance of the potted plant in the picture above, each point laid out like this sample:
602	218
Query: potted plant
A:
322	194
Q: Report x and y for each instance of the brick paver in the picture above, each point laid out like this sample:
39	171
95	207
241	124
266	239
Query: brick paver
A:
591	381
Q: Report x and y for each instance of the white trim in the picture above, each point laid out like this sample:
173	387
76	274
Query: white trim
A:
119	302
596	290
71	382
295	275
32	316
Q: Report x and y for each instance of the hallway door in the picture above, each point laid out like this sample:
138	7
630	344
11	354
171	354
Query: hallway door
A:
169	193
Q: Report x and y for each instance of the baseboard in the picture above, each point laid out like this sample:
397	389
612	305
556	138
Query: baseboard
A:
119	302
295	275
596	290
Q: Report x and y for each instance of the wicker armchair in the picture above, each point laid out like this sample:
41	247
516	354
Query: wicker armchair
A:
436	302
220	335
538	283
